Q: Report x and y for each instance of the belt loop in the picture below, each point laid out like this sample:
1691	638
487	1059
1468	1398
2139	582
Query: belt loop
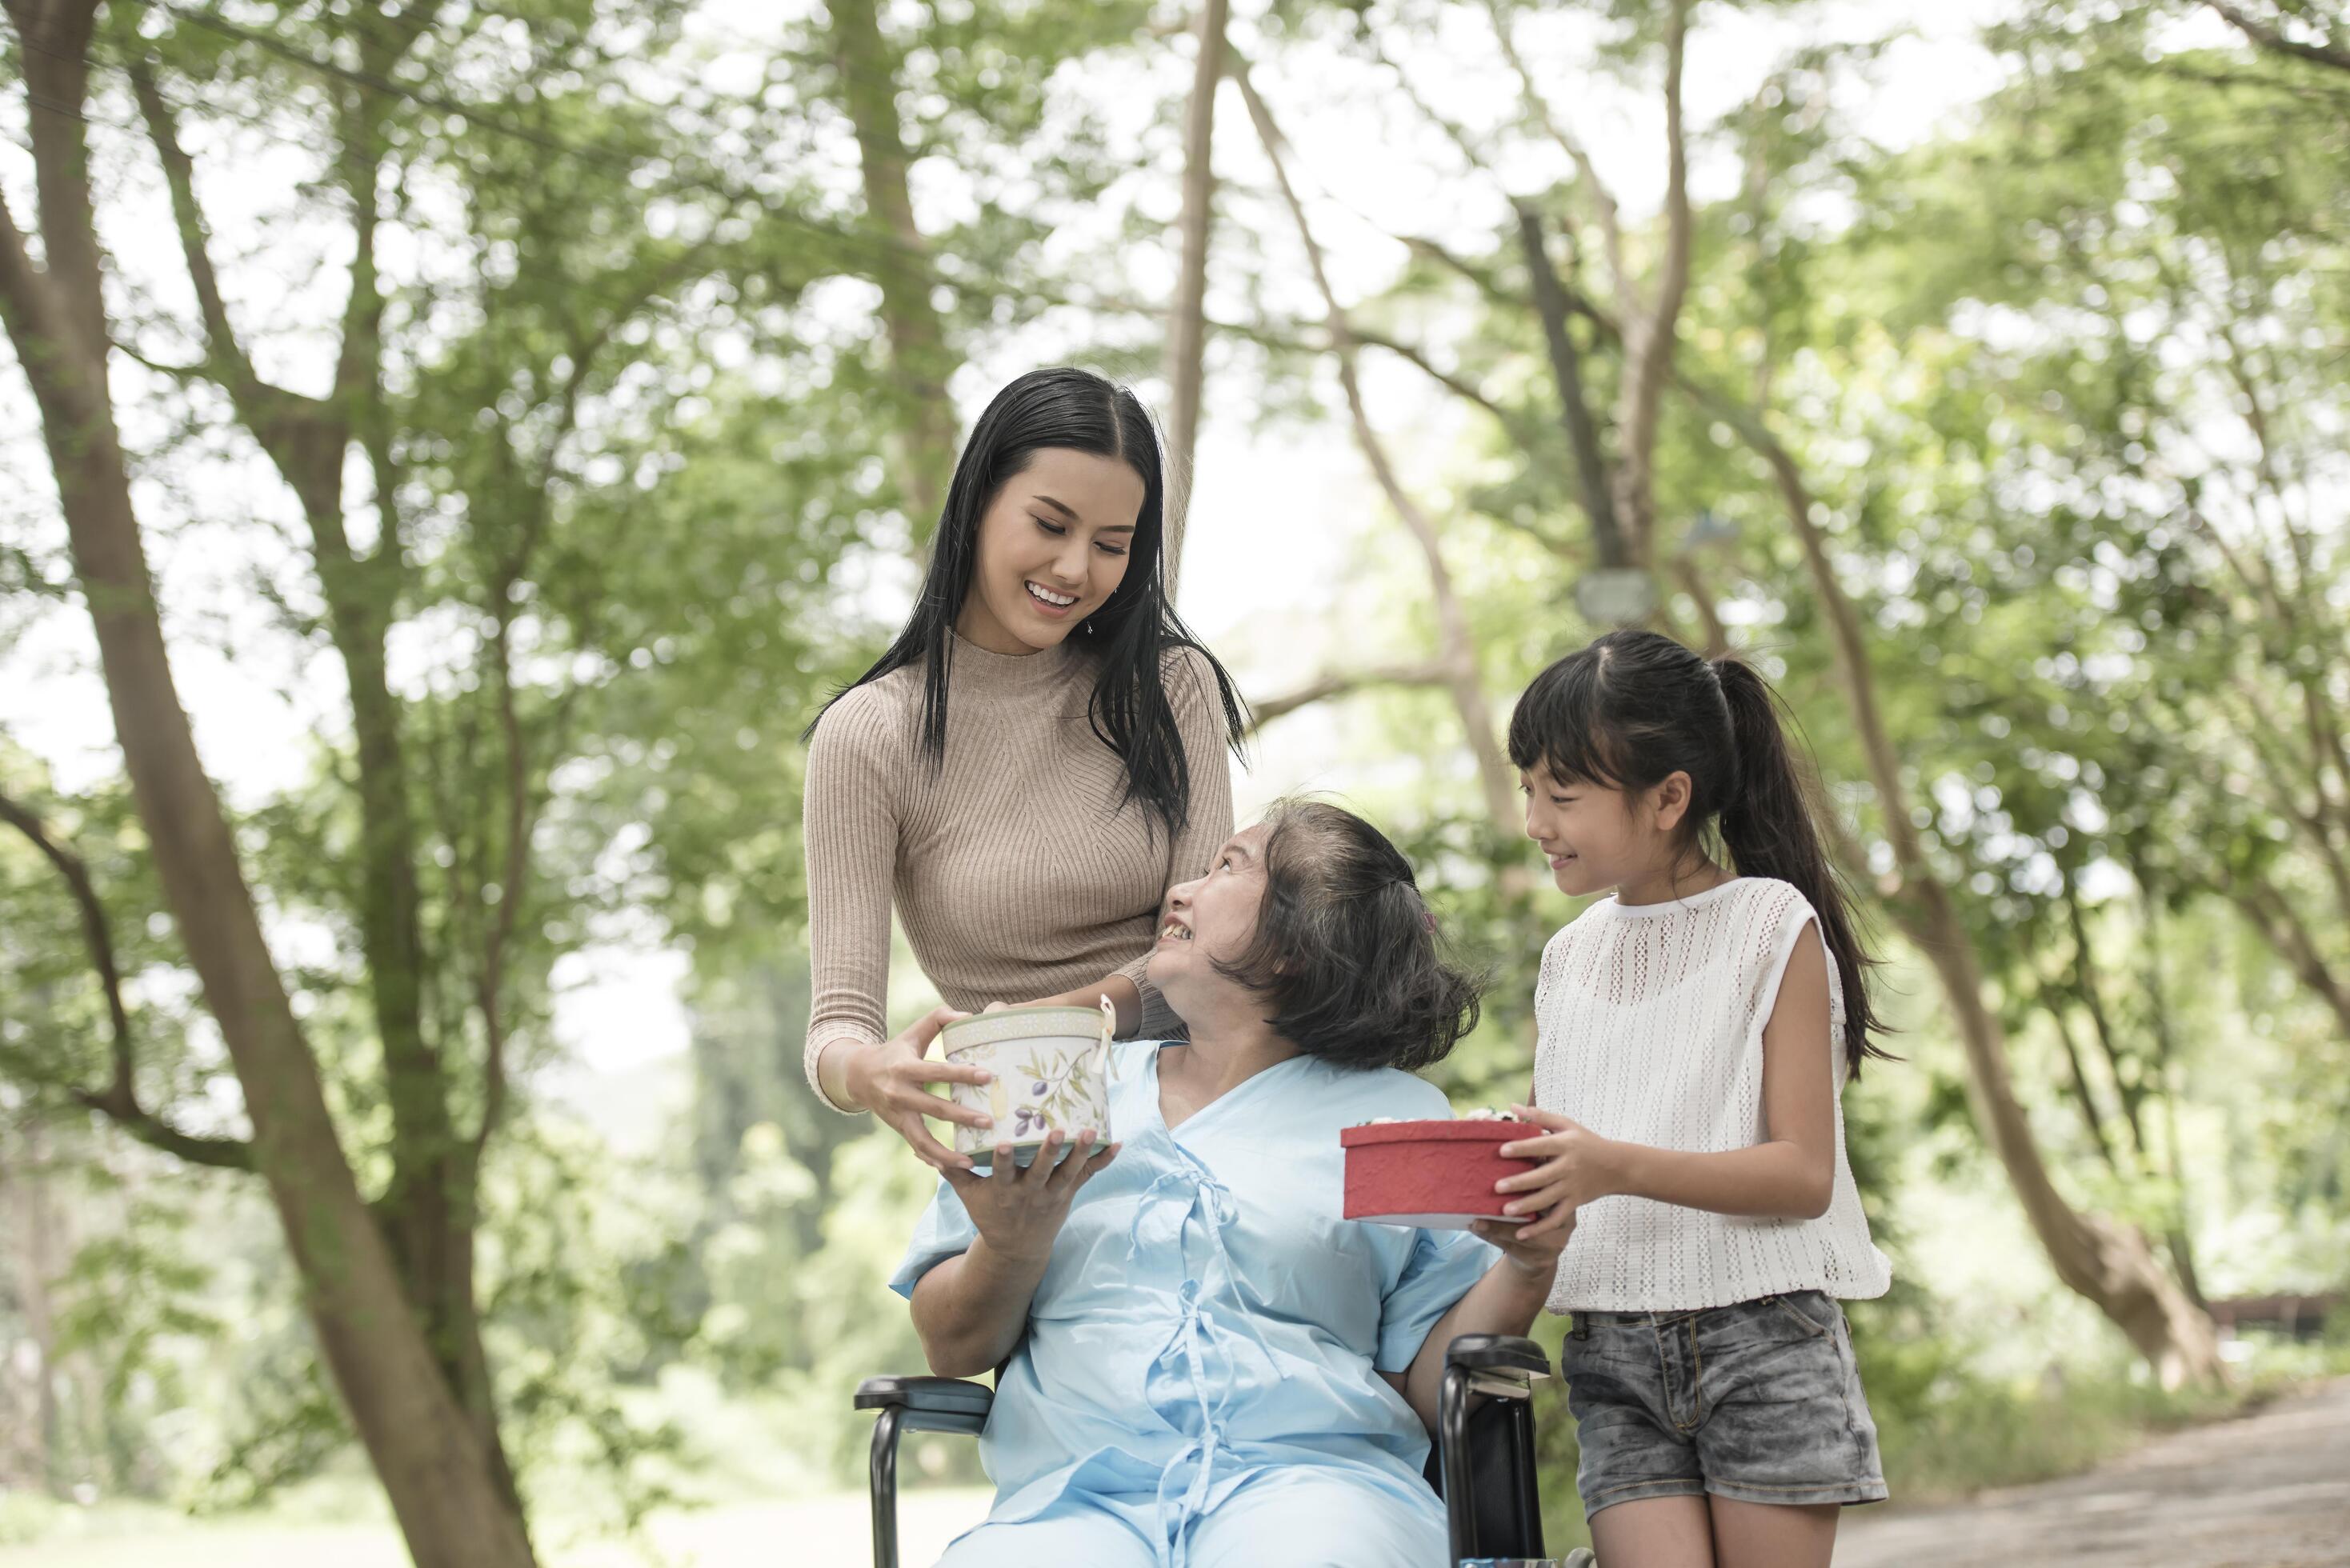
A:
1581	1329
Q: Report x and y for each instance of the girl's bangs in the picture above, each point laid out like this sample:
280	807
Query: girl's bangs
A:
1556	725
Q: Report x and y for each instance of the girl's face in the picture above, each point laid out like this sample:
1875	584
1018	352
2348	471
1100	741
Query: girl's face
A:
1052	547
1209	917
1598	837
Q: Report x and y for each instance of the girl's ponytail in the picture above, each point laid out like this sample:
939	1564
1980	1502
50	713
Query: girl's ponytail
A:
1770	826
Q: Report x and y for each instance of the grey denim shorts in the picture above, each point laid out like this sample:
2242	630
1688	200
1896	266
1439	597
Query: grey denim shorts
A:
1758	1402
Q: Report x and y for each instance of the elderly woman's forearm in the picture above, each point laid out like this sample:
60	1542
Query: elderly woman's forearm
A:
970	1311
1507	1299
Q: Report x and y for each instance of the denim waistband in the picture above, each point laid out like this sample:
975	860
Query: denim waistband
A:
1665	1317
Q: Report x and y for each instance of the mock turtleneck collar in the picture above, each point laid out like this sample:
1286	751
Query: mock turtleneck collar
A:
972	668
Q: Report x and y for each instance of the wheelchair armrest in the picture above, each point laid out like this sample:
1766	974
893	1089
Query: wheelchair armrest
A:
903	1404
930	1404
1497	1353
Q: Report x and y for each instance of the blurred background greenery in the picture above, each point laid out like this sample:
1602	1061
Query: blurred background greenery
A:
529	411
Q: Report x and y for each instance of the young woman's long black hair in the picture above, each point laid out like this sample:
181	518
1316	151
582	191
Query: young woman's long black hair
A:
1129	636
1635	708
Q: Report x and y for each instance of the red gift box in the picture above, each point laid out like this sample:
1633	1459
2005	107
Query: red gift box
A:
1439	1174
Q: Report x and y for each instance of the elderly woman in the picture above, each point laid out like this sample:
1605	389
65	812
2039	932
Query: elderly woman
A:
1207	1364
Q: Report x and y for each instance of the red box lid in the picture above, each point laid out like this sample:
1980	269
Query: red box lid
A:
1433	1131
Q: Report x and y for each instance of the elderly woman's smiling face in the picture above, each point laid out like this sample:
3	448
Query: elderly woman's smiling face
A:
1211	918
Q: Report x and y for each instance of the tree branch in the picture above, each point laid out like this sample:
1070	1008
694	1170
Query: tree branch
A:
1602	205
2268	38
1187	326
1693	583
1649	356
1474	156
1496	778
55	68
2289	935
2085	981
1479	277
119	1099
1516	424
500	925
1575	403
1426	673
233	366
2091	1116
25	298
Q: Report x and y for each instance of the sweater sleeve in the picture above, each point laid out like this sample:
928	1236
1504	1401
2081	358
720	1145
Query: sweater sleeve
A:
1200	715
849	825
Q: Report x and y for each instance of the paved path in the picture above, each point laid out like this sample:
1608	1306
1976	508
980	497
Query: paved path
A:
2267	1490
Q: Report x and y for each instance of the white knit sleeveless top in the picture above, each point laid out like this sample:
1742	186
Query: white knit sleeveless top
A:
1649	1030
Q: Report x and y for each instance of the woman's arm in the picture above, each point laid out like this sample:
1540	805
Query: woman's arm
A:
971	1310
1122	992
851	829
848	827
1505	1301
1791	1174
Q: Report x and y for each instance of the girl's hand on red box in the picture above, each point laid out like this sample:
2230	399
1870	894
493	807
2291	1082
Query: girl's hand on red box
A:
1577	1167
1018	1211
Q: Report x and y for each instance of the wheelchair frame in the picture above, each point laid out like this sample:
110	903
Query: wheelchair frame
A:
1482	1463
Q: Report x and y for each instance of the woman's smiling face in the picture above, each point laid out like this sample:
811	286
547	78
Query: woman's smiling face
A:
1209	917
1052	547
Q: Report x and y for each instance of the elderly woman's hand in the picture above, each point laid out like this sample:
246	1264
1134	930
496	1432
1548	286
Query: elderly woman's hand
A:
1017	1210
1535	1255
889	1079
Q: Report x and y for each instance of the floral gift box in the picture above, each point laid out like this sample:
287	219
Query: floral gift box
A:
1052	1074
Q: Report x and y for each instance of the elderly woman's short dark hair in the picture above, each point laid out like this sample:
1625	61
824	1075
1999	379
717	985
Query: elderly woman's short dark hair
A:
1345	949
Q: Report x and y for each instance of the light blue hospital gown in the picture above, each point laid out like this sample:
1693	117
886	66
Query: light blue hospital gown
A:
1197	1388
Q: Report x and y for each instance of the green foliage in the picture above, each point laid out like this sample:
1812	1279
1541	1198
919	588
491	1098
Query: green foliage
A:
2064	382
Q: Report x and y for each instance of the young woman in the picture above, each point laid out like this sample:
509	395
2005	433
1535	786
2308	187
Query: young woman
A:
1208	1366
1037	759
1693	1033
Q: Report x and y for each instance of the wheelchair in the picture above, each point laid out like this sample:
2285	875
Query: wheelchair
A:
1482	1464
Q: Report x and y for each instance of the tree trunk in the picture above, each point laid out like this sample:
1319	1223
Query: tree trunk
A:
441	1484
427	1209
2282	927
902	264
2109	1262
1575	403
1651	336
1187	326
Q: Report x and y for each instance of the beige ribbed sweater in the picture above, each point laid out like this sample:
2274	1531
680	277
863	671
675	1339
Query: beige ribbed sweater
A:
1014	870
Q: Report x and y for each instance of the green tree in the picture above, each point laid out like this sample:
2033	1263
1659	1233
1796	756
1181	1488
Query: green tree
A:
496	417
1746	279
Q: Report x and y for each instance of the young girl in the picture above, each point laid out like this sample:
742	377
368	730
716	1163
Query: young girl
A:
1694	1032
